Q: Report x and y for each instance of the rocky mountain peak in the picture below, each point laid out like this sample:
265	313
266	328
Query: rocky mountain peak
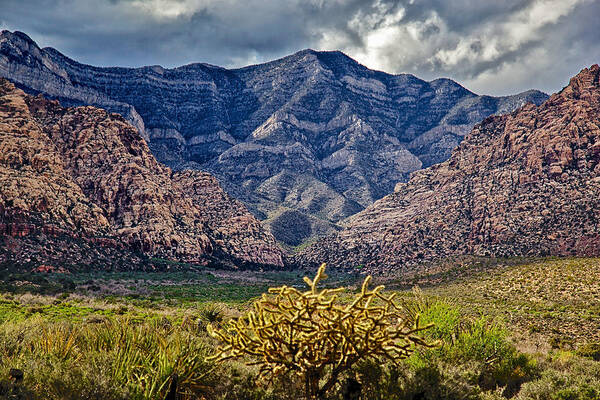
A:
17	37
315	133
524	183
18	44
584	85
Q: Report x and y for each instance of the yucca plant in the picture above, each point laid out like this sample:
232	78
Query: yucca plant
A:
141	357
147	356
210	314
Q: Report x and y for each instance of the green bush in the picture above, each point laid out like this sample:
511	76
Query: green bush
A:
590	350
475	348
565	378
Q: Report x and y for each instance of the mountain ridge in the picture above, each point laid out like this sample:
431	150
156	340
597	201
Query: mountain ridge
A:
314	136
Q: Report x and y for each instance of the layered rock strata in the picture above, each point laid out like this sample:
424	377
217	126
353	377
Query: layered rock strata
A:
314	135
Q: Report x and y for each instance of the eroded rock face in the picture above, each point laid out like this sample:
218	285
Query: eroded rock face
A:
315	132
88	175
526	183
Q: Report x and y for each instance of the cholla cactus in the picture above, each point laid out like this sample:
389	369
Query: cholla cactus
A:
314	336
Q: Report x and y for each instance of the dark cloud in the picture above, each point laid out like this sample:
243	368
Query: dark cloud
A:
495	47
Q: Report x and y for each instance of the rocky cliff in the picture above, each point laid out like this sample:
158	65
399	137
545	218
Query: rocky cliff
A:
86	177
526	183
304	141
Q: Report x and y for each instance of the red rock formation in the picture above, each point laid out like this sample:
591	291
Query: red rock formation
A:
50	269
87	174
525	183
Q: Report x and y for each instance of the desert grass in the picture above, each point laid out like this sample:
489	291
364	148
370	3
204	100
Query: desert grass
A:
524	329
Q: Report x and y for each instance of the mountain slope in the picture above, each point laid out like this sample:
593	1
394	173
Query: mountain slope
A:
314	134
526	183
81	173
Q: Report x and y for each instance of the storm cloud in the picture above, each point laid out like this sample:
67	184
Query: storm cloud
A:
493	47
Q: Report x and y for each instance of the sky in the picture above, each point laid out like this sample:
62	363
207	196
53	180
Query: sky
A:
493	47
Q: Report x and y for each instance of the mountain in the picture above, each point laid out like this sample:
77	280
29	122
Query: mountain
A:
525	183
304	141
79	187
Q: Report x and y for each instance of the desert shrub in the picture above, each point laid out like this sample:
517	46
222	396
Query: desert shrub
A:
475	354
408	381
590	350
566	377
316	338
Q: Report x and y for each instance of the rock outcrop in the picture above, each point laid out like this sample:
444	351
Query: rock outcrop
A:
314	134
88	177
525	183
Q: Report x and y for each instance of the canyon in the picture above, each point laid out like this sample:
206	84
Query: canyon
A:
305	141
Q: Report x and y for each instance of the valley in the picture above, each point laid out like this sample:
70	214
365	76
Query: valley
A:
210	233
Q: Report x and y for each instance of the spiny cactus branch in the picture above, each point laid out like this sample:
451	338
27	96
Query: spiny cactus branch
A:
314	336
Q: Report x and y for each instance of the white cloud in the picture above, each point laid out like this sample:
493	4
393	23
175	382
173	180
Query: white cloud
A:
505	45
491	42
